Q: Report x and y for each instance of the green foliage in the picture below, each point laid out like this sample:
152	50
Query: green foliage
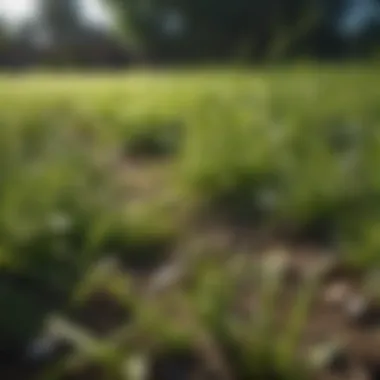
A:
212	30
61	210
62	20
154	140
286	148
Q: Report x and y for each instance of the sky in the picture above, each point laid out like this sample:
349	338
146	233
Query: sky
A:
15	11
358	14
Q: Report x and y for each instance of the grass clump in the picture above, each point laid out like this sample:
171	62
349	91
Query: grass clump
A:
153	140
142	239
221	166
52	191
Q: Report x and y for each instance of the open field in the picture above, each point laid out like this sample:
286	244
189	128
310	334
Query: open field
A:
191	225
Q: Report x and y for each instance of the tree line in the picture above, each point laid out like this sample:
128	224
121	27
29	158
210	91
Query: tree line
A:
60	37
252	30
187	31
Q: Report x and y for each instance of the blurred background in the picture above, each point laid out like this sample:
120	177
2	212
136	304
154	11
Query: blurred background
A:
189	189
111	34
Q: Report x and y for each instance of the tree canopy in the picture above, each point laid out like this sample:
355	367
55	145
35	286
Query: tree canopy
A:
223	29
212	29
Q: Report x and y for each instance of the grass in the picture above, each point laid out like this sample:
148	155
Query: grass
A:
143	166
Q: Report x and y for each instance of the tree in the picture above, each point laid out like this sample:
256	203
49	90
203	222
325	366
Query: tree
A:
61	19
215	29
73	41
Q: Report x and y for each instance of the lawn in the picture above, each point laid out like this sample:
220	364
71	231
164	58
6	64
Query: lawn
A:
192	224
